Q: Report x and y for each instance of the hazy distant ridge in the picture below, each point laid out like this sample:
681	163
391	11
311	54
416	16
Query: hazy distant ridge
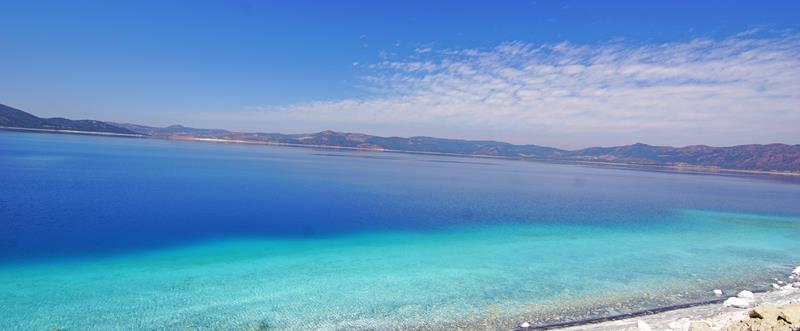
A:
12	117
771	157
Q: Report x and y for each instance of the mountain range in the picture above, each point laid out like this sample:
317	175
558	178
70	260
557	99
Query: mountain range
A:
754	157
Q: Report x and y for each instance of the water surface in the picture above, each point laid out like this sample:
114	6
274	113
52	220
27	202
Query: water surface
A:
112	233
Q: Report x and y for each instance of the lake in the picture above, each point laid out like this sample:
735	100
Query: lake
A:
103	233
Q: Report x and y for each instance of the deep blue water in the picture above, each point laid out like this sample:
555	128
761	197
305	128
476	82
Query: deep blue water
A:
66	195
225	213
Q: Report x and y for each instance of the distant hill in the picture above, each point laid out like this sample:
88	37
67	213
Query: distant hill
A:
355	140
15	118
771	157
172	130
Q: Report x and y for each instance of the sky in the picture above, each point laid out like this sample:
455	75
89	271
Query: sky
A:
567	74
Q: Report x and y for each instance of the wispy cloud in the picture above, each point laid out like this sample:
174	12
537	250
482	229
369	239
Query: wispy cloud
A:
741	89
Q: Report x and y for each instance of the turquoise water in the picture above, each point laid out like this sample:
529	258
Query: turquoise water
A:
108	233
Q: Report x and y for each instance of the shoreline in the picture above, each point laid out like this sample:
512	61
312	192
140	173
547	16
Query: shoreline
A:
634	315
717	314
624	166
87	133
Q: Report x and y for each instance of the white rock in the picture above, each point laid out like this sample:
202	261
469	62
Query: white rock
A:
796	284
680	325
643	326
780	282
701	325
718	292
736	302
775	286
525	325
787	287
796	271
745	294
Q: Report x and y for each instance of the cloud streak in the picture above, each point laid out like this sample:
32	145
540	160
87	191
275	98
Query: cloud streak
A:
741	89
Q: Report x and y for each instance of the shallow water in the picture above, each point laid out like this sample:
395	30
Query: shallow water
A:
111	233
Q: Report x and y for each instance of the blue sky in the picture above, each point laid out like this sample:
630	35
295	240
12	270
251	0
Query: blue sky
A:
562	73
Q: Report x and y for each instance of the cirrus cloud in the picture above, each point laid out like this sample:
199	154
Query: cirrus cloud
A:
740	89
